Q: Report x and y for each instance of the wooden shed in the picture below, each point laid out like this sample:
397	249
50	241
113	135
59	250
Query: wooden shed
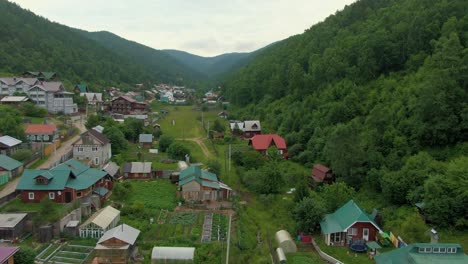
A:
12	226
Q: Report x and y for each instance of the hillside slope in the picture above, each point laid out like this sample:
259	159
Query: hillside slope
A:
33	43
378	92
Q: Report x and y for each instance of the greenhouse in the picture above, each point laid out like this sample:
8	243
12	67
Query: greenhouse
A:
172	255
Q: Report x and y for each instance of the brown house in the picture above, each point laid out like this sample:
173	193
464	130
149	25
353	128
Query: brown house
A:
117	245
138	170
65	183
126	105
321	173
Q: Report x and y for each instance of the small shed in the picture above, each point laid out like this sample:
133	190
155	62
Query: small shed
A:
7	254
12	226
72	227
322	173
138	170
172	255
112	169
101	221
285	241
117	245
146	140
10	166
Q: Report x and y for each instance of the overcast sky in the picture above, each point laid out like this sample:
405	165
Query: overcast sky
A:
202	27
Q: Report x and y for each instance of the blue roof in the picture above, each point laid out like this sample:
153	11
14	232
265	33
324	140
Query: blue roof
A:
9	163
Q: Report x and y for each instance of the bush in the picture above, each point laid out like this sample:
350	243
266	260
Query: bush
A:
164	142
178	151
22	155
25	255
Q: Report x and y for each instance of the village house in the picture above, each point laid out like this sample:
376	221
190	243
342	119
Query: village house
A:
245	129
93	147
348	224
53	97
261	143
321	173
146	140
9	145
126	105
200	185
81	88
10	166
64	183
138	170
14	85
7	254
117	245
423	253
12	225
94	99
100	222
41	132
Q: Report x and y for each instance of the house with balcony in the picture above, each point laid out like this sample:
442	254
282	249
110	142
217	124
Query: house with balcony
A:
53	97
126	105
11	85
92	147
64	183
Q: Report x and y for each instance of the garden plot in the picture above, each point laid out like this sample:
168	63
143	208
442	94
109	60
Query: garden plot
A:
71	254
207	226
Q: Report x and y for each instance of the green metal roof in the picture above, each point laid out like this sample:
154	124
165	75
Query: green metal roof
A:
9	163
101	191
205	178
71	174
373	245
411	255
344	217
83	87
196	171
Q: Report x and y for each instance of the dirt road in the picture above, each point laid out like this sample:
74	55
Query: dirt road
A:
200	143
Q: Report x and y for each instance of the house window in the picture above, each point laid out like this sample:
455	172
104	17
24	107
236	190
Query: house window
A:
451	250
352	231
96	161
31	196
94	149
51	195
78	194
442	250
79	149
425	250
337	237
40	180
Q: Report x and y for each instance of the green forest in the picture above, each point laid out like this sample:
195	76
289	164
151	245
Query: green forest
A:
379	93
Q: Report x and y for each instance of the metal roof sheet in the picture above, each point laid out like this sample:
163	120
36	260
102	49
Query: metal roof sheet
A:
14	99
9	163
10	141
11	220
146	138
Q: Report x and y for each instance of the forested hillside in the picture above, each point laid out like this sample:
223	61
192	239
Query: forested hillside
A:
32	43
212	66
378	92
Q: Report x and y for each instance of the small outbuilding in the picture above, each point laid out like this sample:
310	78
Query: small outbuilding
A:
7	254
12	226
117	245
138	170
285	241
146	140
10	166
112	169
173	255
322	173
101	221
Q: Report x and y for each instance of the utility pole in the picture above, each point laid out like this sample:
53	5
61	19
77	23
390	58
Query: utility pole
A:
208	130
229	155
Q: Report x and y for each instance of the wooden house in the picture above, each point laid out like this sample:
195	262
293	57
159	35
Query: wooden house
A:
41	132
138	170
200	185
321	173
12	225
11	166
347	224
117	245
64	183
126	105
146	140
251	128
261	143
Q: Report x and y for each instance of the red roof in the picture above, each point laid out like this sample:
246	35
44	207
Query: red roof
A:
319	172
263	142
34	129
6	253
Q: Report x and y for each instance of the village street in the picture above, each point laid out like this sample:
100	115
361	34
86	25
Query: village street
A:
53	158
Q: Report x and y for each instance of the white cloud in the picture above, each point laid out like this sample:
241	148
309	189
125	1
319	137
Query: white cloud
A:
203	27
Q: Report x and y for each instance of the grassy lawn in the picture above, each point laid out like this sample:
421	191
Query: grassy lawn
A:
155	195
35	120
17	205
341	253
304	258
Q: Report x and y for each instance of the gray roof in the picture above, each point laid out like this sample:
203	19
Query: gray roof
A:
137	167
250	125
112	168
122	232
10	141
49	86
146	138
15	80
11	220
91	96
173	253
14	99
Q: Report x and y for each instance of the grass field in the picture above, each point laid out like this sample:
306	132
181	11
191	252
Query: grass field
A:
304	258
155	195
